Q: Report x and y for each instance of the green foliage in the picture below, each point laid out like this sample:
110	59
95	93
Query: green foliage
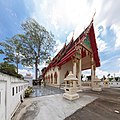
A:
9	69
38	43
30	48
110	79
28	91
1	51
12	49
48	60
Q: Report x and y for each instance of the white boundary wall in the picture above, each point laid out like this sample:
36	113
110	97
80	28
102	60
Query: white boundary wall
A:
12	90
2	100
111	84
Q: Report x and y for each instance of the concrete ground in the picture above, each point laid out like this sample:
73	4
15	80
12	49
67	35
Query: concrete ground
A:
91	105
52	107
106	107
47	103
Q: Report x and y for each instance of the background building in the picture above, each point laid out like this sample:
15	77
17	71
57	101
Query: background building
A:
29	78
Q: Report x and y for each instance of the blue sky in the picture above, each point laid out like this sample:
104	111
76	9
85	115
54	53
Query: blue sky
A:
63	17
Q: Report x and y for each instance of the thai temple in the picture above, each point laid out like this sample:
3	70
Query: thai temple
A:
78	55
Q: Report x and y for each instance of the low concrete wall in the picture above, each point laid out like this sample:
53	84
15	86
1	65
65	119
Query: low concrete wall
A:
111	84
14	92
2	100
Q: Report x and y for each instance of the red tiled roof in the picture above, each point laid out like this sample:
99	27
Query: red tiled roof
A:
68	51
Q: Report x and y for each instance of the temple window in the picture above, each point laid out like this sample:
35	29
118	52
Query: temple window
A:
66	74
13	91
0	97
16	89
51	78
55	77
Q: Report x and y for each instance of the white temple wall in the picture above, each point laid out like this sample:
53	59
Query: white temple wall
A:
60	72
52	71
64	68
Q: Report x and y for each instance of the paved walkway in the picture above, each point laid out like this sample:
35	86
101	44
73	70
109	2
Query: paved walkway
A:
51	107
44	91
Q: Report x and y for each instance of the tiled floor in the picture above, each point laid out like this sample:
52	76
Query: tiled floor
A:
43	91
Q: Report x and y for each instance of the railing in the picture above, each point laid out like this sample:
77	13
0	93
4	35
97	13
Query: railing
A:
62	85
88	84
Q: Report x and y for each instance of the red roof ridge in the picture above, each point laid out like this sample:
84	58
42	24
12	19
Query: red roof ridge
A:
69	49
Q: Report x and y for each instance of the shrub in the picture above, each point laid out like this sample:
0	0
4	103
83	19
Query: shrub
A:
28	91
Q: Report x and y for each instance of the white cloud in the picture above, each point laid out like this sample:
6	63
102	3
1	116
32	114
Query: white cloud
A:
100	73
118	62
86	72
102	45
69	37
117	74
116	28
22	71
25	71
41	66
58	47
74	13
61	16
118	59
63	13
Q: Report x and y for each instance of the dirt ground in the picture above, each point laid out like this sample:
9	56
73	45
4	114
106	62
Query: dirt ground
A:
106	107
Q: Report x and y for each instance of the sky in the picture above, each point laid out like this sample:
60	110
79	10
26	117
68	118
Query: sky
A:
65	17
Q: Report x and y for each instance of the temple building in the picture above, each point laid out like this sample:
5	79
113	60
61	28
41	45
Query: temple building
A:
78	55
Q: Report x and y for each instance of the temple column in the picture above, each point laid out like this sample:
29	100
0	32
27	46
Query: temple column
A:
74	67
92	71
79	73
50	80
50	77
53	80
53	77
80	69
58	76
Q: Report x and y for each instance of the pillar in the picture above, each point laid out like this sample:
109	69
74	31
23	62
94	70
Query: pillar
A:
74	68
58	76
74	84
53	78
92	71
80	70
65	83
49	77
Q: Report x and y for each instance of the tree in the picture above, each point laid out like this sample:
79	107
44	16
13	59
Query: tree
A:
104	77
12	49
9	69
38	44
48	60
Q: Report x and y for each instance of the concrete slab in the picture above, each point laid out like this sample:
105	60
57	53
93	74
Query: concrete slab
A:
52	107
